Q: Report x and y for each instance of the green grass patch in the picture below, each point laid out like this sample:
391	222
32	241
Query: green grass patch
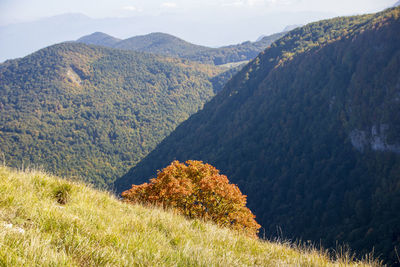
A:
46	221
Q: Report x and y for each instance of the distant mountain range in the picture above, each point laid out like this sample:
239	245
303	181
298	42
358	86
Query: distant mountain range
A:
291	27
93	112
310	131
21	39
286	29
156	43
169	45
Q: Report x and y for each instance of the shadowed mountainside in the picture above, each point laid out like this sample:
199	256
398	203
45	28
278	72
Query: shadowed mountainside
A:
309	130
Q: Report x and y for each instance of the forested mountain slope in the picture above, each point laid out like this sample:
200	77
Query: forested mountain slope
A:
169	45
92	111
310	131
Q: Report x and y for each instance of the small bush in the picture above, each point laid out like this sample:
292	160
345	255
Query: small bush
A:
62	193
197	190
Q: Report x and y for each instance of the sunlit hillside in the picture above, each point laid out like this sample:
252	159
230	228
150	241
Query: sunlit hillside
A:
46	221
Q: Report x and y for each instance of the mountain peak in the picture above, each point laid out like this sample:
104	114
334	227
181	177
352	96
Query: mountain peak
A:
159	43
68	16
288	28
99	38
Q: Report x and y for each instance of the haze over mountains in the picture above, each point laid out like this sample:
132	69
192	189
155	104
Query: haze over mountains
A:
310	131
20	39
99	38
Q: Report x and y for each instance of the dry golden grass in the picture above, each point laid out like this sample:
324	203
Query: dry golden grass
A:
47	221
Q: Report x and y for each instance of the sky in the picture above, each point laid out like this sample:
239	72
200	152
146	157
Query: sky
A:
13	11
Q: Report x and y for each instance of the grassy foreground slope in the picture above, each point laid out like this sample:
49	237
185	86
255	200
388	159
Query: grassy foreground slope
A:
93	228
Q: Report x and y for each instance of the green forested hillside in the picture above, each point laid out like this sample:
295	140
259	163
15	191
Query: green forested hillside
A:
94	112
168	45
309	130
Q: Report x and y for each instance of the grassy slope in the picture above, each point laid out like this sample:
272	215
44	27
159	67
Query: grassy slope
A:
95	229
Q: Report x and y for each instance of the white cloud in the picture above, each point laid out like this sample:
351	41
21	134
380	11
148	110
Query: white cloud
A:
130	8
256	3
169	5
237	3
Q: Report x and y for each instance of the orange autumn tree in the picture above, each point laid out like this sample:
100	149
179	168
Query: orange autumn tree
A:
197	190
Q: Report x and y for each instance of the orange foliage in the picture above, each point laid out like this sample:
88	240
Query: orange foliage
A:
197	190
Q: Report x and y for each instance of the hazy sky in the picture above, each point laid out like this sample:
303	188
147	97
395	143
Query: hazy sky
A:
24	10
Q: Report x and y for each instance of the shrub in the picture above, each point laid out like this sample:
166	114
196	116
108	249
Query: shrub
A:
197	190
62	193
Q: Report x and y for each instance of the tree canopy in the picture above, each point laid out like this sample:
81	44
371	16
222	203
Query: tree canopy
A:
197	190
